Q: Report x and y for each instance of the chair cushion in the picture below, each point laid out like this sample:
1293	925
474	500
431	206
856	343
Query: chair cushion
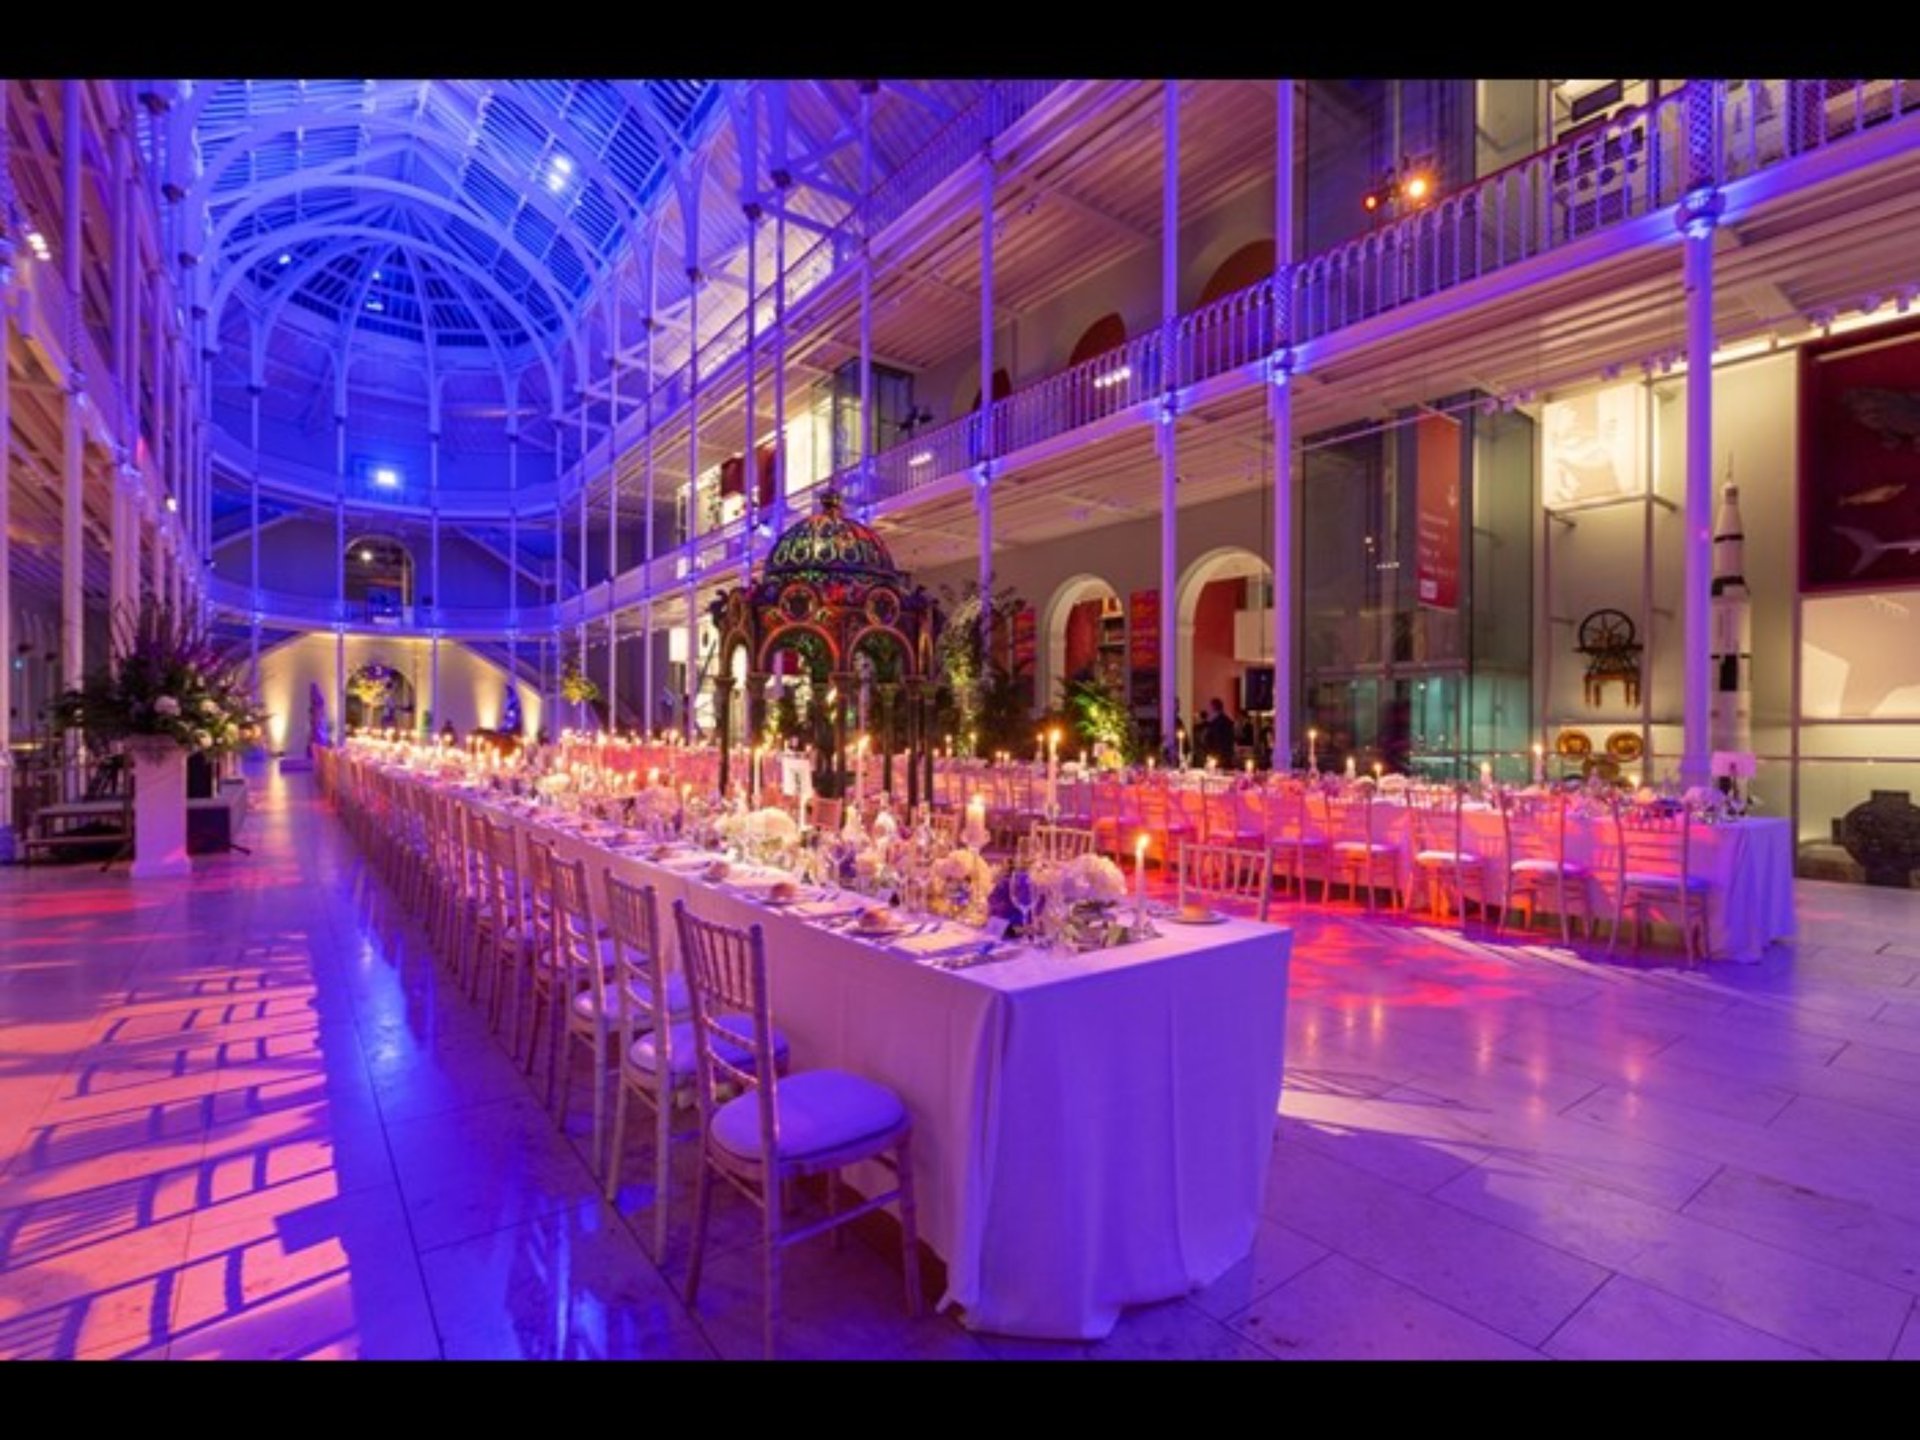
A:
1547	867
1662	880
678	1002
645	1052
819	1111
1446	857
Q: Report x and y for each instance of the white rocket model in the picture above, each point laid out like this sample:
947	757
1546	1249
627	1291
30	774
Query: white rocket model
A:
1730	719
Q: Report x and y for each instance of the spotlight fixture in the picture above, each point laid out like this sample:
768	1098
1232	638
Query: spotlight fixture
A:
386	477
37	243
173	505
286	257
1402	190
559	171
366	557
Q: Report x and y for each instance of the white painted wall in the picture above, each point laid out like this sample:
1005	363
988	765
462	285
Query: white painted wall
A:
472	691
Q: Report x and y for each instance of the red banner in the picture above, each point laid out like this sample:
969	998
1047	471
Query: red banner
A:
1437	502
1143	630
1025	642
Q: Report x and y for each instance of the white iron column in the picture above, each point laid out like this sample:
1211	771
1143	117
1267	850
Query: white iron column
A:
72	533
690	680
559	573
1169	480
613	514
865	461
513	555
6	477
780	180
580	587
433	617
1280	398
983	475
254	390
1698	217
340	572
750	468
647	693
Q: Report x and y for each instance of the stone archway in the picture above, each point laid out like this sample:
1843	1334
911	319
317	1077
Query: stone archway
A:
1078	590
1228	562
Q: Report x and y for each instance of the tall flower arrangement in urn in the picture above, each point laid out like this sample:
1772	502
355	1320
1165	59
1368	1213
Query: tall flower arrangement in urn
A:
168	681
168	692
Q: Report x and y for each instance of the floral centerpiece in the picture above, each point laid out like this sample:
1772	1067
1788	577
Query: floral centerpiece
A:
575	687
1092	880
169	682
372	686
962	881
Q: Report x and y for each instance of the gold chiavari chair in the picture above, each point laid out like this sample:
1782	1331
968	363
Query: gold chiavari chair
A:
1237	878
1535	829
1360	855
1654	856
658	1057
1060	842
1444	864
780	1128
1298	841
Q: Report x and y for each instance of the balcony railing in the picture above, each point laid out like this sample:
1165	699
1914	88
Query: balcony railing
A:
278	608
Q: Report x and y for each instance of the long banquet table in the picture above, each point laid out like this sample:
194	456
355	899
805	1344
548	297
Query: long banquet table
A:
1090	1131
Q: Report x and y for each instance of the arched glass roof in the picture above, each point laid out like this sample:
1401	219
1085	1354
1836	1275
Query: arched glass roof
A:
461	214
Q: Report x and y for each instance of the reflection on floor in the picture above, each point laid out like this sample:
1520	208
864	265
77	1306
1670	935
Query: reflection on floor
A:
247	1117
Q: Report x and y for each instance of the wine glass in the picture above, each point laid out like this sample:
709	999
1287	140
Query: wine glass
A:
1023	893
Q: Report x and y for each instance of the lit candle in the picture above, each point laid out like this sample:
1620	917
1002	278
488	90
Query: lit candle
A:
1053	772
1377	768
685	792
1633	783
1140	881
1313	750
976	832
1486	774
1249	768
1350	770
1539	764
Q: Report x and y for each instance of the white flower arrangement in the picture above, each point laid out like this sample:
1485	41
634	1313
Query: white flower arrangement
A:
1393	784
660	801
558	783
209	706
1092	879
772	825
868	864
963	867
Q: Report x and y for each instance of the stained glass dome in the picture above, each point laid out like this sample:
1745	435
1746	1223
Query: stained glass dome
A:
829	543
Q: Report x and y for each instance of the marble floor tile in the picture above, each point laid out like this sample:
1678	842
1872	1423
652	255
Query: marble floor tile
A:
1626	1320
1489	1272
1817	1306
1340	1310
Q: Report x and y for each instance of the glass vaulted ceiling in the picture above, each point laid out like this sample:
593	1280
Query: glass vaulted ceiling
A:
463	214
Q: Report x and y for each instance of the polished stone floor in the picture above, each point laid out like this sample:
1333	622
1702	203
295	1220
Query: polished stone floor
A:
246	1116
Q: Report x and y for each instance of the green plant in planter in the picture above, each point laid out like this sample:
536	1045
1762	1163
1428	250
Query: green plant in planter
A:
1100	715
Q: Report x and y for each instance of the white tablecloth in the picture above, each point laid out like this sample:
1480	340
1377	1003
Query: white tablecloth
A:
1090	1132
1748	866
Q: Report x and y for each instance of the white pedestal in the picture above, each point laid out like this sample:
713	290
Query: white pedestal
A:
159	810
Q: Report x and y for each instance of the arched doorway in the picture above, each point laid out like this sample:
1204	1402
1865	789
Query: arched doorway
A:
379	577
1076	630
379	697
1249	265
1215	588
1102	396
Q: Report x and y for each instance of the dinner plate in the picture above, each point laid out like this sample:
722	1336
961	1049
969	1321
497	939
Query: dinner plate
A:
877	932
1212	917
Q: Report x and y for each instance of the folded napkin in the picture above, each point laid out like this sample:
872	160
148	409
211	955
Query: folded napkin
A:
940	940
827	909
